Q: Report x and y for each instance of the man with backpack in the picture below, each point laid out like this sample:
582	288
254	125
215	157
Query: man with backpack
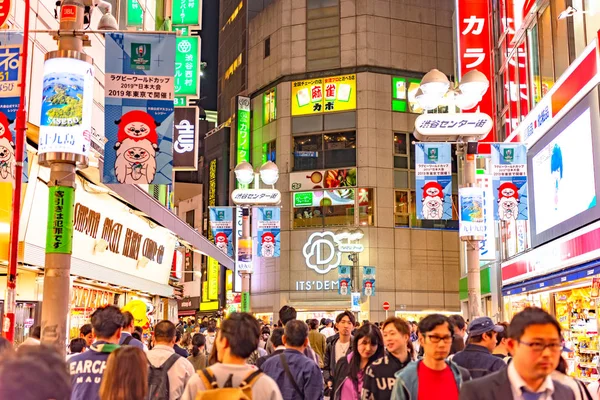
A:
231	378
169	372
126	333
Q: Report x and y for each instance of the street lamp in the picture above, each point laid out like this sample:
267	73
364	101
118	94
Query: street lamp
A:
352	235
435	86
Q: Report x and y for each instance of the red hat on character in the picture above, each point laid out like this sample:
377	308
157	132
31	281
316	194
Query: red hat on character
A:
221	237
507	190
268	237
433	189
6	133
137	125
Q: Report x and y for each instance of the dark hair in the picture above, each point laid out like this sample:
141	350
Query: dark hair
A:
373	334
458	321
265	330
164	331
432	321
36	332
477	338
127	319
139	329
562	365
5	346
77	345
211	329
295	333
530	316
107	321
314	324
85	329
404	328
503	334
197	341
136	335
126	375
177	336
458	344
323	321
241	331
287	314
277	337
345	314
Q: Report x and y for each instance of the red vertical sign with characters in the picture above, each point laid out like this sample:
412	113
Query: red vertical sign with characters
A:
4	10
474	47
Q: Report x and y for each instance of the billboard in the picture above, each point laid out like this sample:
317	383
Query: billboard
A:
185	139
323	95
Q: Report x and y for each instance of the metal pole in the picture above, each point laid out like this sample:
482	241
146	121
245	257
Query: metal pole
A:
473	270
245	275
355	279
10	301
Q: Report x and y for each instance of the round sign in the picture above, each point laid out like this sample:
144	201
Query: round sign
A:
386	305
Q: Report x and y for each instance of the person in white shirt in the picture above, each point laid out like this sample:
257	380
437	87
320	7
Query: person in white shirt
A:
34	337
328	330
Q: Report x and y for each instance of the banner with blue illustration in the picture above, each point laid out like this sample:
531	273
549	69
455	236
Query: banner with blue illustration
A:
139	112
472	222
509	173
10	71
268	231
433	175
368	281
344	280
221	223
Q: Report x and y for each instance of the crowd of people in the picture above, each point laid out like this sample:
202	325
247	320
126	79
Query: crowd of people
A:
439	358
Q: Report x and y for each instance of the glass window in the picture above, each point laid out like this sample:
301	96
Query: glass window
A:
331	150
534	66
413	104
324	208
592	19
308	152
400	143
560	38
366	207
545	46
401	209
269	110
269	151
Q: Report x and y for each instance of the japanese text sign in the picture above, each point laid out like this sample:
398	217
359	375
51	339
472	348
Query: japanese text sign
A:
185	139
509	172
433	175
5	6
135	13
186	65
212	277
59	233
221	224
243	129
314	96
487	246
256	196
268	231
186	12
452	125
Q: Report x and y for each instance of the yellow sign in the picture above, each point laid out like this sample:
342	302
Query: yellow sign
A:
139	311
213	279
5	209
322	95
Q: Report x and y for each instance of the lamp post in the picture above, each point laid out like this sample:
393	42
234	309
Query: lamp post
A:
436	90
352	236
246	197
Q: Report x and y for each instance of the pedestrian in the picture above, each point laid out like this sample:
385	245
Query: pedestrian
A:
340	346
211	335
501	349
126	375
578	388
76	346
126	333
186	342
348	379
86	332
297	377
535	344
198	357
477	356
265	333
328	330
286	314
277	340
328	390
34	337
433	377
460	334
380	375
107	323
317	340
164	361
236	340
179	349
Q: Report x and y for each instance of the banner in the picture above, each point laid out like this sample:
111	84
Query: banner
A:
139	108
315	96
185	139
268	229
10	71
470	201
433	175
368	281
487	246
344	280
509	172
221	224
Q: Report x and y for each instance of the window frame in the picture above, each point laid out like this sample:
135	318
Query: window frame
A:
322	159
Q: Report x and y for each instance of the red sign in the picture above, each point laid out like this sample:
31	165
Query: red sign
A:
68	12
386	305
4	10
475	52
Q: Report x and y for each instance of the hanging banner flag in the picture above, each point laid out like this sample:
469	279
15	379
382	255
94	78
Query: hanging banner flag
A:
368	281
509	172
268	229
344	280
10	71
433	175
472	222
221	223
139	108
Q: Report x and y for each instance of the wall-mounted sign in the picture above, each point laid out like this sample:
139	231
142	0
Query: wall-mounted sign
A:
5	6
404	91
433	176
186	64
509	172
448	125
135	13
185	139
186	12
320	252
317	285
351	247
243	129
256	196
327	198
314	96
323	179
487	246
472	224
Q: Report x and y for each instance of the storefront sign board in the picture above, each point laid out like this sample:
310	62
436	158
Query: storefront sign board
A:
324	95
185	139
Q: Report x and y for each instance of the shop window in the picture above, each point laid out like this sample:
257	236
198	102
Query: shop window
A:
269	109
268	151
366	207
330	150
592	19
267	47
560	38
546	63
324	208
190	216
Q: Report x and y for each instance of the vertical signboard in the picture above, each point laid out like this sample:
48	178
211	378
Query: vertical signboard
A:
487	246
185	139
243	130
472	224
344	280
509	171
368	281
186	12
268	229
237	278
433	175
212	277
135	13
187	66
139	108
221	224
59	235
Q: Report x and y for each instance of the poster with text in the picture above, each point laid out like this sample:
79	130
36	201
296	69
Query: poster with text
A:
221	223
268	230
433	175
139	108
471	212
509	172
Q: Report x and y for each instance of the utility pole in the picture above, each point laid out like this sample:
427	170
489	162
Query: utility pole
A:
245	248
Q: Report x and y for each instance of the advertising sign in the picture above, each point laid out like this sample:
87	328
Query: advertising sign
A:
135	13
212	277
268	229
243	129
344	280
139	108
5	6
444	125
323	179
59	235
470	200
487	246
187	64
186	12
237	278
185	139
337	197
509	172
404	91
368	281
321	95
320	252
355	302
221	224
433	174
67	103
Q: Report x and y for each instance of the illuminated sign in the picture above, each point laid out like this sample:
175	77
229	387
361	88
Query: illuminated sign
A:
213	279
243	129
321	95
256	196
320	252
135	13
212	189
316	285
185	12
185	139
186	65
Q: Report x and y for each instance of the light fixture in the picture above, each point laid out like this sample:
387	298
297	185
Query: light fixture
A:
244	173
269	173
356	234
427	101
108	22
435	83
568	12
474	83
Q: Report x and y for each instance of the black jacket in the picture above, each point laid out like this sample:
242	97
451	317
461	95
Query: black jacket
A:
330	357
478	360
379	377
341	371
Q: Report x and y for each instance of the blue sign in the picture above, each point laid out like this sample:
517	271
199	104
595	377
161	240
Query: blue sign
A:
509	174
308	154
433	175
139	110
221	223
355	304
344	280
369	287
268	231
470	207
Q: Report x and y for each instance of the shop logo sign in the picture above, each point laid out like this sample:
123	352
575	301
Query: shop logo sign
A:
321	252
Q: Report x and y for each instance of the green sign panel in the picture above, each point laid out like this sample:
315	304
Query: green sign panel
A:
243	129
303	199
186	12
245	302
186	66
135	13
180	101
141	53
181	30
59	233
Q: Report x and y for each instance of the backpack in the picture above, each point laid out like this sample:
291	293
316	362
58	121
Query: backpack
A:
214	392
158	379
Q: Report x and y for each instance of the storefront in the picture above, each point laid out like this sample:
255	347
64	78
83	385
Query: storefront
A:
188	307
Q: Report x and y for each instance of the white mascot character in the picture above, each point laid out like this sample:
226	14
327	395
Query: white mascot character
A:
221	242
7	151
268	245
433	201
508	201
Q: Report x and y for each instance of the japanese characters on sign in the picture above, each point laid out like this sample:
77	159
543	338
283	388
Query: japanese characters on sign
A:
212	188
433	175
314	96
187	65
487	246
139	108
243	129
476	124
472	223
186	12
509	172
256	196
268	231
344	280
185	139
221	224
5	6
59	233
212	277
135	13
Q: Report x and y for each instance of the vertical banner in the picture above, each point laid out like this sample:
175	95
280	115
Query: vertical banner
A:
243	129
344	280
59	235
487	246
212	277
433	175
237	278
509	172
139	108
185	139
10	73
268	230
472	223
187	65
355	302
221	224
368	281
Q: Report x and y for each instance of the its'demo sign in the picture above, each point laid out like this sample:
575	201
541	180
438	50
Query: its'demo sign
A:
323	251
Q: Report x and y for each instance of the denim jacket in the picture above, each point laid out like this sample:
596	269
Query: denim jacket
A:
407	380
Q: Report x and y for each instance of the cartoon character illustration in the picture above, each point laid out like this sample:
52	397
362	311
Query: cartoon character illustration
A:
7	150
556	169
433	201
508	201
344	287
268	245
137	144
221	242
368	288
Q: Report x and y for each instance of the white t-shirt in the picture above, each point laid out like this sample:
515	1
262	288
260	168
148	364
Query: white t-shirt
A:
340	350
328	331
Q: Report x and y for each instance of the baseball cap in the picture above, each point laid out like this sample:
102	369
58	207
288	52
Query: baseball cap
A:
482	325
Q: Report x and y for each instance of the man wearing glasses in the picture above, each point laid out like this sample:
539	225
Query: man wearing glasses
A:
535	344
433	377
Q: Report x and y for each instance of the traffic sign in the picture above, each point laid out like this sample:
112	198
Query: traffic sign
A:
386	305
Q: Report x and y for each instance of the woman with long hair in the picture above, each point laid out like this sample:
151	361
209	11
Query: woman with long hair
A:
198	357
367	346
126	375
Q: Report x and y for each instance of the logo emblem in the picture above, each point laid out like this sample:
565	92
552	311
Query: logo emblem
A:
140	56
432	154
509	155
321	253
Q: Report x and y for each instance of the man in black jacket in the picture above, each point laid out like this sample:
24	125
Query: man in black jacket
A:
276	340
340	346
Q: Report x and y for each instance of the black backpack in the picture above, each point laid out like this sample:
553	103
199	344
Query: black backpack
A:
158	379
